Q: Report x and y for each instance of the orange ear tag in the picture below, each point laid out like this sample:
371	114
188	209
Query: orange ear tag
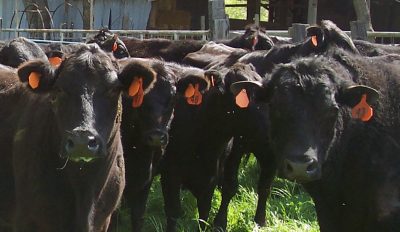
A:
55	61
255	41
362	110
114	47
196	98
34	79
242	100
136	91
189	92
314	40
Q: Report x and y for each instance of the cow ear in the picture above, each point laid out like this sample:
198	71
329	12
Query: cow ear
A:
214	78
137	78
192	88
359	98
55	57
245	92
316	37
39	75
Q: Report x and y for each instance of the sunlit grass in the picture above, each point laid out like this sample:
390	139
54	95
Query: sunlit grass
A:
289	208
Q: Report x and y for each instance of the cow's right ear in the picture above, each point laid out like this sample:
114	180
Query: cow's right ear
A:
215	79
39	75
316	37
192	87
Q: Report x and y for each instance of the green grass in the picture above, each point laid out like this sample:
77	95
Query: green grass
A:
240	12
289	208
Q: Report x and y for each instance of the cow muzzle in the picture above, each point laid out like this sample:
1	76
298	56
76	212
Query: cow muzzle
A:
156	138
301	170
82	145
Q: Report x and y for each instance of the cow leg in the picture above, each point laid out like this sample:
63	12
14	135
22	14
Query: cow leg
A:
137	201
170	183
267	174
204	206
229	186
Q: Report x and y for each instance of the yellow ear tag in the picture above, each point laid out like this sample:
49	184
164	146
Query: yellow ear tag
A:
242	100
189	92
362	110
314	40
34	79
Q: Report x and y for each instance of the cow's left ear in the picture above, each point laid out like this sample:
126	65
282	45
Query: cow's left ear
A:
359	98
137	78
242	90
39	75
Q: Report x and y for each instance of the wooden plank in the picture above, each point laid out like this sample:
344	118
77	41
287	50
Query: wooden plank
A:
312	12
358	30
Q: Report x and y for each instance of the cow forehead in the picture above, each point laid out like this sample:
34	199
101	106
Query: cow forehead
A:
92	68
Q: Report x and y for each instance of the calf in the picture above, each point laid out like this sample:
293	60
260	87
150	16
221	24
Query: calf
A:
67	158
145	125
199	142
334	127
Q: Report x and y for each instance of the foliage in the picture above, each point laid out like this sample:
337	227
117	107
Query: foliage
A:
240	12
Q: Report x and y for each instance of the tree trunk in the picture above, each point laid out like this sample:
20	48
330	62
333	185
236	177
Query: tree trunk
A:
363	13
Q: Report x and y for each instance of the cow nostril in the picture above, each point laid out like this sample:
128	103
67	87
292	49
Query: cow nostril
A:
92	144
69	145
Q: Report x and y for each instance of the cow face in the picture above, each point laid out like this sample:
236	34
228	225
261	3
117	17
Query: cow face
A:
20	50
84	96
320	38
308	104
256	38
151	116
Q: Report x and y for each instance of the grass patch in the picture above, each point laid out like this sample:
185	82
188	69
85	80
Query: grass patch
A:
289	208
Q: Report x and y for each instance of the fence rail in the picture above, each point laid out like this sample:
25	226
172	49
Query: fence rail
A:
80	35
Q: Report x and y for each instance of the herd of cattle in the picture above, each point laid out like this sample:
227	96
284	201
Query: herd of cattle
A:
82	125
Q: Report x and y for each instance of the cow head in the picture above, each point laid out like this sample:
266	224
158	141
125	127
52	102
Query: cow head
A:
256	38
320	38
309	104
151	115
110	42
20	50
83	95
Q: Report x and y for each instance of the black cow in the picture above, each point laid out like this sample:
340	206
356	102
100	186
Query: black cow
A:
199	142
373	49
19	50
338	137
66	149
254	38
250	127
145	125
106	40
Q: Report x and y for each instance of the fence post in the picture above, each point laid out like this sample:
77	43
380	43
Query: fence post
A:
218	20
358	30
299	31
